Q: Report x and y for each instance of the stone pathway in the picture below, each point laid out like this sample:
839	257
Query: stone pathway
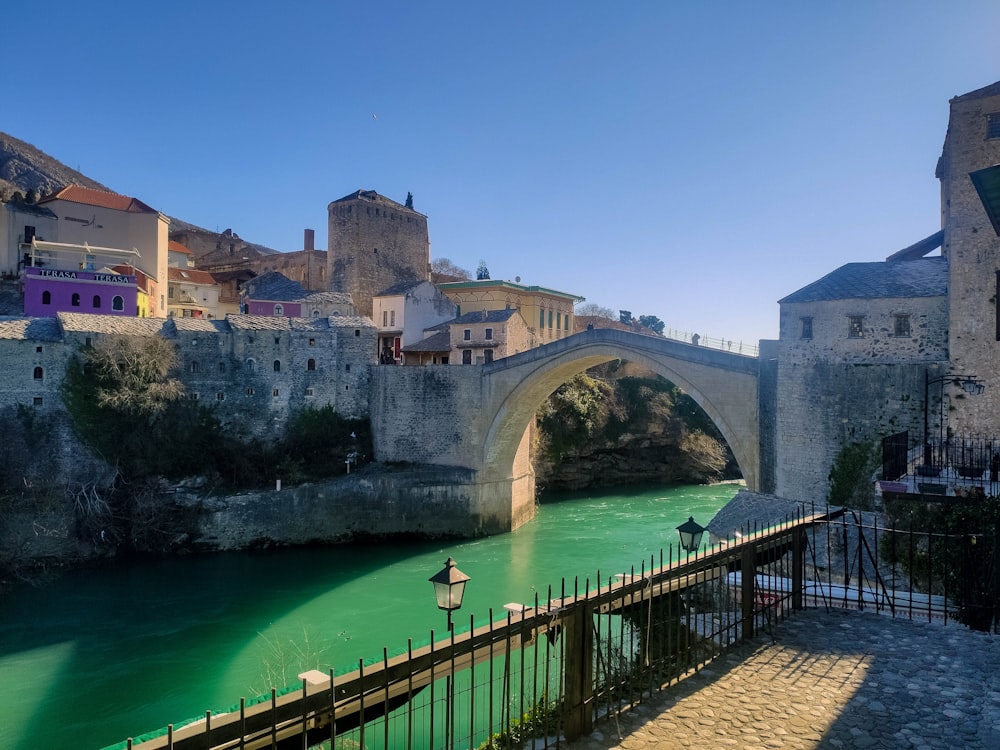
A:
838	679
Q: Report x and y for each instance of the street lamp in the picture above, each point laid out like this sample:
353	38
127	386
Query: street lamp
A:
969	383
449	588
690	532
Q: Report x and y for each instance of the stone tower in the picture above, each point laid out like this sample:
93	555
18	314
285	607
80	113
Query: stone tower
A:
972	249
374	243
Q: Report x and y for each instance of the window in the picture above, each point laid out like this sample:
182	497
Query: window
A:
807	328
278	310
37	401
467	356
567	321
347	368
97	302
315	313
488	356
251	365
75	300
993	125
541	318
220	396
276	392
46	297
392	317
222	366
195	366
311	365
249	391
277	340
458	311
467	334
193	396
309	391
855	326
385	318
489	334
118	303
357	331
170	292
901	326
38	350
38	373
277	365
558	321
312	342
550	318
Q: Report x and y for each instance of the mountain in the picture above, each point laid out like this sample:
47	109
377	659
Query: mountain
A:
24	167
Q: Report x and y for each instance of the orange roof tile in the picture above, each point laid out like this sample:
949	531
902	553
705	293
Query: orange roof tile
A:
176	247
190	276
100	198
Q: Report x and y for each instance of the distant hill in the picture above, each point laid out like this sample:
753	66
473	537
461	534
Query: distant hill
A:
25	168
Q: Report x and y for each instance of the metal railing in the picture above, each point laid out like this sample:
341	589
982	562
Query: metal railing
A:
545	672
956	465
728	345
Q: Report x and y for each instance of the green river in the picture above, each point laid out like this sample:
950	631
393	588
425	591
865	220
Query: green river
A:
106	653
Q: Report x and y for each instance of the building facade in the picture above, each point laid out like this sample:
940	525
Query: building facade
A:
373	244
404	312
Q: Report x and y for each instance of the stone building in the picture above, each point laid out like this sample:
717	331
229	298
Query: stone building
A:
548	313
483	336
252	370
404	313
859	347
373	244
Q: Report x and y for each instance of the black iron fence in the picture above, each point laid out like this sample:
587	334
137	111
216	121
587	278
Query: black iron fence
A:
546	672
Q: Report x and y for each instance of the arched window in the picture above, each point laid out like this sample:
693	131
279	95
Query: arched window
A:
118	303
251	365
75	299
315	313
39	373
311	365
46	297
97	302
277	365
279	310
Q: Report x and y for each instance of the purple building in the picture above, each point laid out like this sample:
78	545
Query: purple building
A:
48	291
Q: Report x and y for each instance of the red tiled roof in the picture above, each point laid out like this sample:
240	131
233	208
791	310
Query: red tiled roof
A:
190	276
101	198
176	247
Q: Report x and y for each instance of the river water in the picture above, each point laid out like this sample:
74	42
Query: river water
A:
103	654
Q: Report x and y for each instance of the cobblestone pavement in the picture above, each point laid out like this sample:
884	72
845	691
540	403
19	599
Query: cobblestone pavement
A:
838	679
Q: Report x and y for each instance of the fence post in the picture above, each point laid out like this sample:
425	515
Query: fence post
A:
579	660
748	576
798	566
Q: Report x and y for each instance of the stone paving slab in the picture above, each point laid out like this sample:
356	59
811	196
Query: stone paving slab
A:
837	679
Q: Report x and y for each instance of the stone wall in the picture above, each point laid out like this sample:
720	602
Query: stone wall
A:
374	243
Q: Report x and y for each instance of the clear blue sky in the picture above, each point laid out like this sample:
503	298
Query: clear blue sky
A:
695	161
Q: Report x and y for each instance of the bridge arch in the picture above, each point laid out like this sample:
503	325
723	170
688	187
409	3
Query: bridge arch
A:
724	385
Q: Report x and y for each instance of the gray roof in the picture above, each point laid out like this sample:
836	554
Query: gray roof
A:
30	329
279	323
116	325
336	298
926	277
275	286
200	325
485	316
401	287
438	342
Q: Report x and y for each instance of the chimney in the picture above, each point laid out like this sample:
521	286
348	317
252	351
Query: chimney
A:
309	242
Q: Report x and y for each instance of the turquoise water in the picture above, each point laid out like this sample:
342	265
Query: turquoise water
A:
103	654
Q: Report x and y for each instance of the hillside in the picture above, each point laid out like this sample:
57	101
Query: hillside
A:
24	167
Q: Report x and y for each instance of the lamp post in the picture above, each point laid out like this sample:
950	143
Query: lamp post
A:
690	532
449	588
969	383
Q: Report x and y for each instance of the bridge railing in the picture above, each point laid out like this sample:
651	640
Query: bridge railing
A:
727	345
546	671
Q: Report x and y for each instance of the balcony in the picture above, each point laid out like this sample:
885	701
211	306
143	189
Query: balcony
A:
956	467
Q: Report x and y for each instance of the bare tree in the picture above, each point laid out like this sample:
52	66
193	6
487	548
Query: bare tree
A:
132	374
444	267
595	310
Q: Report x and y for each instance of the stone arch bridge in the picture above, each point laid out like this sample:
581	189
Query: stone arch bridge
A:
471	423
